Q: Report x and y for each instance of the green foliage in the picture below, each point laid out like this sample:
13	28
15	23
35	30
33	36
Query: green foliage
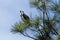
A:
21	27
55	7
59	37
35	2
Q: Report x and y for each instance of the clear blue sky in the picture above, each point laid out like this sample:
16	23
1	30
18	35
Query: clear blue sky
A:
9	14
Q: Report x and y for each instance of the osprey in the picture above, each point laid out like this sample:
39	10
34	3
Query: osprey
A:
25	17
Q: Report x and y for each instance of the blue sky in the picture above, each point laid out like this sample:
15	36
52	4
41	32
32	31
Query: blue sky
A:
9	14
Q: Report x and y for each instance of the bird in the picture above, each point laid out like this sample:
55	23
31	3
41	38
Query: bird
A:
24	16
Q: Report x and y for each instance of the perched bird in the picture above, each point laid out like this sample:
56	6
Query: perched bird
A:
24	16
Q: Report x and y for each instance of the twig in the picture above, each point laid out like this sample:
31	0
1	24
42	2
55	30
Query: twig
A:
33	30
26	35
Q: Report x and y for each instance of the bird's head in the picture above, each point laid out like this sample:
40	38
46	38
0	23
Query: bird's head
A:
22	12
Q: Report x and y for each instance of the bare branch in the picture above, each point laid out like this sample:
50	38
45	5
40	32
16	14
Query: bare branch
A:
26	35
33	30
